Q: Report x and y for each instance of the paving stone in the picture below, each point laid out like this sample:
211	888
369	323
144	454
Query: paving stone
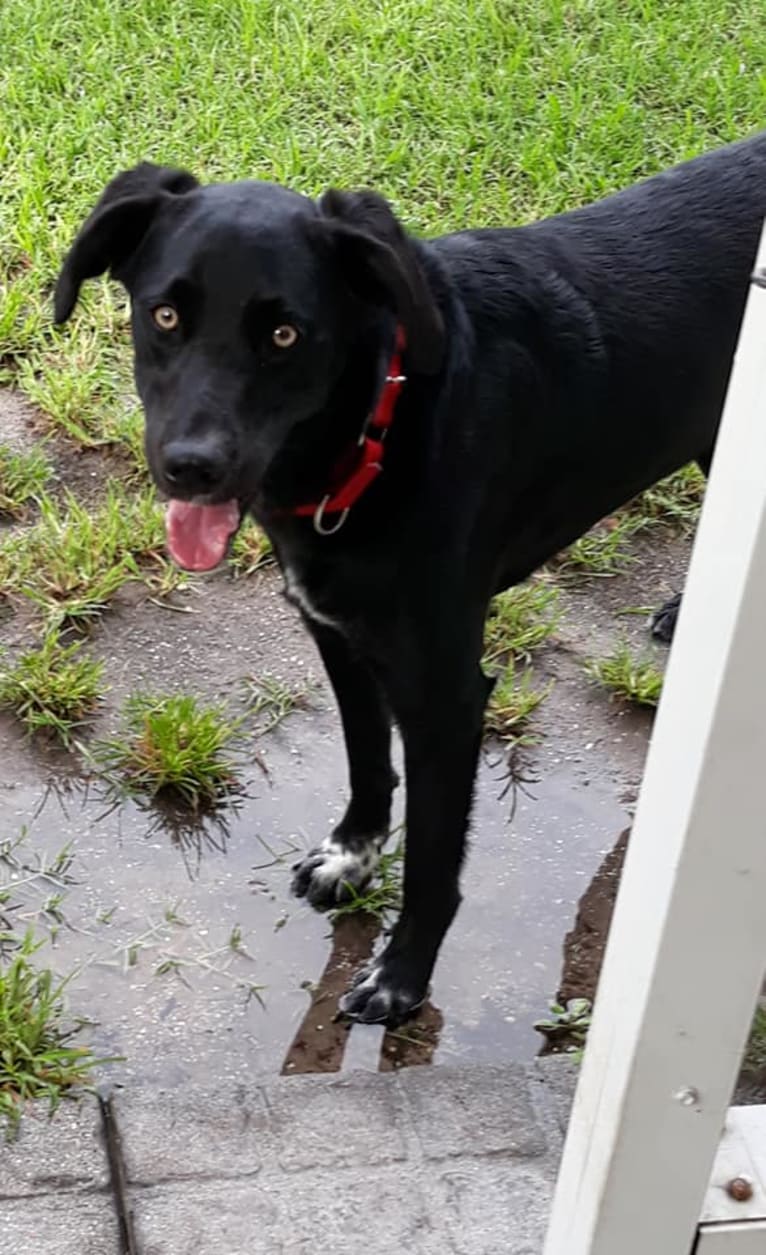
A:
492	1207
558	1075
312	1213
170	1134
54	1155
59	1224
473	1111
444	1161
356	1119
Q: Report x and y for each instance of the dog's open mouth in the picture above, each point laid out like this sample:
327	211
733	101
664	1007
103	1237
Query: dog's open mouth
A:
198	535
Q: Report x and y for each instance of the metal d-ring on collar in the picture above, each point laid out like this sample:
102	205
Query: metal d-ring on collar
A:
318	520
319	526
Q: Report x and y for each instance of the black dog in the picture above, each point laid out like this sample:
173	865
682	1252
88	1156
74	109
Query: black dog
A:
552	372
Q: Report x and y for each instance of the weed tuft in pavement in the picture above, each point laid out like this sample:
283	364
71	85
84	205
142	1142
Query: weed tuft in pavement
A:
512	701
520	620
635	680
53	688
174	748
37	1059
272	701
675	501
251	550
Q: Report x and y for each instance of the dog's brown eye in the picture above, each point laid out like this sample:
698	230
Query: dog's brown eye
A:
165	317
285	336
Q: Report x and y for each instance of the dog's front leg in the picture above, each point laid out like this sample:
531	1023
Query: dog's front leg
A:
442	736
348	858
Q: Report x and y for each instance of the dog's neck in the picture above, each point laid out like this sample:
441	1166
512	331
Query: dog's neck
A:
326	455
362	463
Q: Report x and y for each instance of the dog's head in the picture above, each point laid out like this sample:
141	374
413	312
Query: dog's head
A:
259	317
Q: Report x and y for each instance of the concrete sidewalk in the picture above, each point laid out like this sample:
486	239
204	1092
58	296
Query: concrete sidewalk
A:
430	1160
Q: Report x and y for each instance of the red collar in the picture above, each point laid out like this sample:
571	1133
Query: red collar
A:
364	462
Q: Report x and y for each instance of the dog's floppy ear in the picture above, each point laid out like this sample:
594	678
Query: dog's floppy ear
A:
114	229
380	264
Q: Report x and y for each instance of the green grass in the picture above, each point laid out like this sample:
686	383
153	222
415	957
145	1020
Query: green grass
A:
174	748
251	550
37	1059
53	688
272	701
675	501
462	114
566	1028
74	559
633	679
38	1055
512	701
520	620
82	398
23	477
603	551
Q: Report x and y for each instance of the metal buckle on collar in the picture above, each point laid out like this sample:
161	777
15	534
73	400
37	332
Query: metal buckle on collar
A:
319	526
370	419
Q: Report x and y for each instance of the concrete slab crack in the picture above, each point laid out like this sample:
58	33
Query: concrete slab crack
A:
128	1243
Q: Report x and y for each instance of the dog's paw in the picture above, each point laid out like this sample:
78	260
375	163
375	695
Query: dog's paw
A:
332	873
380	995
662	624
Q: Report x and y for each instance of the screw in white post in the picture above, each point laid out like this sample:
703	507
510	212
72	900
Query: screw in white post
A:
688	1096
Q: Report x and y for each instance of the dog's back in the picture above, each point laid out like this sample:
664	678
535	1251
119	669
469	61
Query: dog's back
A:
628	309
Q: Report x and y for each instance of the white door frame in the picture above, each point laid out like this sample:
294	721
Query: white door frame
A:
687	949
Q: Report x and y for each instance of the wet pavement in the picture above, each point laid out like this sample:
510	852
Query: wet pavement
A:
192	957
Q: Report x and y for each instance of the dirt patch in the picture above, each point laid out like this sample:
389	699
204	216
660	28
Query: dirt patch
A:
79	470
584	946
85	472
18	420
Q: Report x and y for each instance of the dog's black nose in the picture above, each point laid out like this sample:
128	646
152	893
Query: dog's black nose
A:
194	467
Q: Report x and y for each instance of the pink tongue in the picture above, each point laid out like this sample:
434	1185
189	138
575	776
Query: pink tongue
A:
198	535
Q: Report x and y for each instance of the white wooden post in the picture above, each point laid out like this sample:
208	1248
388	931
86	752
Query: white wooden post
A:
687	950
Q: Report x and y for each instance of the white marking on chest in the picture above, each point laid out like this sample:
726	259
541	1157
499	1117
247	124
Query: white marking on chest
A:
297	594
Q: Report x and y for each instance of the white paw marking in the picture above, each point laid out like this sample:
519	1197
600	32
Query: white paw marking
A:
342	866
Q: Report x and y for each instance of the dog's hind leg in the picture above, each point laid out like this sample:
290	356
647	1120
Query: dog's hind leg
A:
663	622
348	857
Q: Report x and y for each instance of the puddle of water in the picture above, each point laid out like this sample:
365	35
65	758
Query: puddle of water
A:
171	940
501	962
